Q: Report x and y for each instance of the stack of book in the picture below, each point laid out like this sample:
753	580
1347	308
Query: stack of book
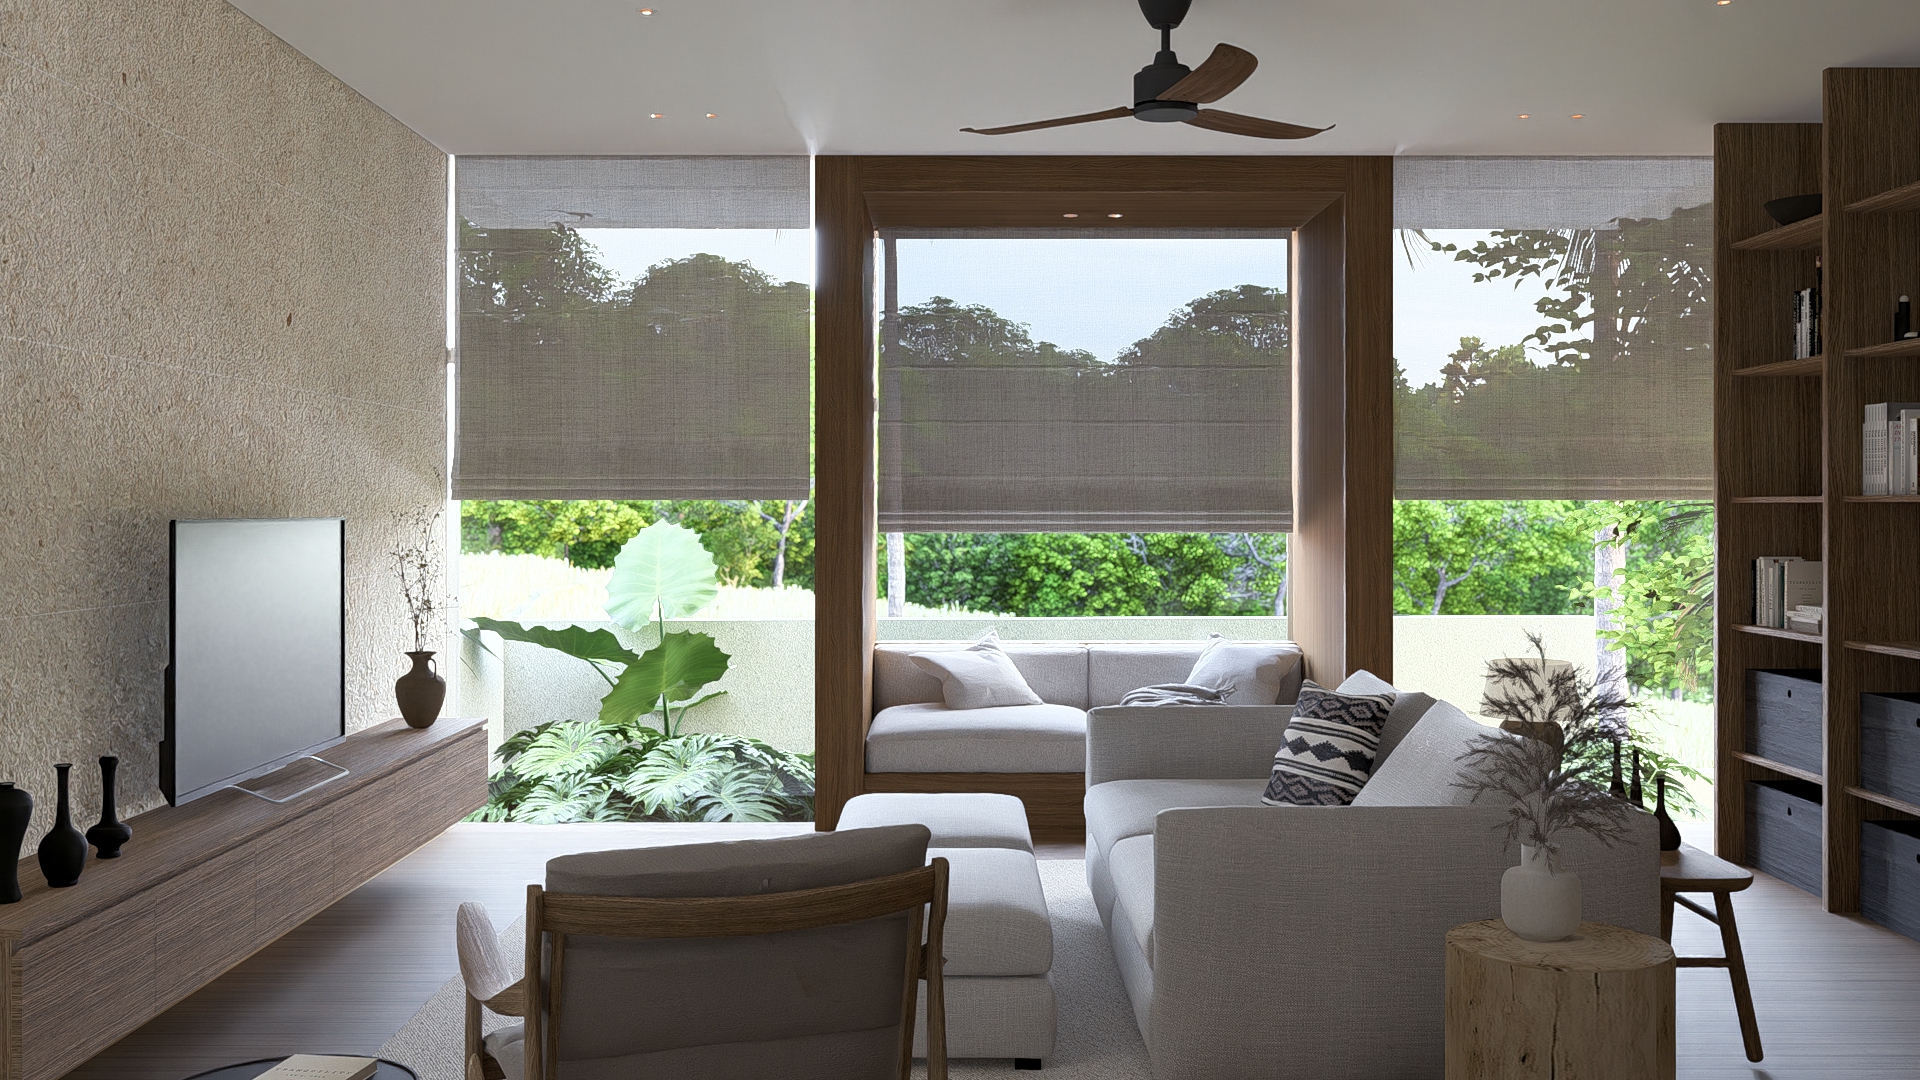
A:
1890	449
1783	584
1806	323
1805	619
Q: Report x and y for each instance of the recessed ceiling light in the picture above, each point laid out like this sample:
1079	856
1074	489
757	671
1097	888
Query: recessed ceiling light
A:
1723	3
1526	116
1069	215
1578	116
646	11
655	115
712	115
1113	215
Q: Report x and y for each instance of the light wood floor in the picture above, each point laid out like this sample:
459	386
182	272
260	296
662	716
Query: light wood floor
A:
1836	996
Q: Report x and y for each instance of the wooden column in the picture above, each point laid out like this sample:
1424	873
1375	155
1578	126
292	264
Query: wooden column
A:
1341	610
844	510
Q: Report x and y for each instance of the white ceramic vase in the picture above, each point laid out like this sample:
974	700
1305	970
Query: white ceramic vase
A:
1536	901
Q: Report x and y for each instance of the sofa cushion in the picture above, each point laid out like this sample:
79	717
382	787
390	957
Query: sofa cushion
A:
1116	668
1131	864
996	914
1408	707
973	819
1366	682
1426	763
1253	673
1058	673
1016	738
1124	808
1327	751
980	676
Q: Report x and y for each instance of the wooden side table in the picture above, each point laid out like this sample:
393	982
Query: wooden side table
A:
1699	871
1598	1005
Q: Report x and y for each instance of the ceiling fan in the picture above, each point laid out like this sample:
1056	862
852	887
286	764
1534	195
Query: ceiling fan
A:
1167	90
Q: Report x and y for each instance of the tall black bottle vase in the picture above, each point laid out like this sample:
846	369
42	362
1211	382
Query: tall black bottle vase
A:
111	833
63	851
1669	832
1617	789
16	810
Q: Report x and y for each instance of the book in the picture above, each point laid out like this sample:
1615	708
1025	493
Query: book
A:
1801	583
1769	588
1910	443
322	1067
1896	457
1873	458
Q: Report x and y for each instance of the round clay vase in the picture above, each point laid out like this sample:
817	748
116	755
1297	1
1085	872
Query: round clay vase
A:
63	851
16	810
111	833
1536	901
421	691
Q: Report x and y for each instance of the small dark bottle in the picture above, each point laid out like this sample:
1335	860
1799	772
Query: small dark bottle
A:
1669	832
111	833
1636	794
1903	320
1618	789
63	851
16	810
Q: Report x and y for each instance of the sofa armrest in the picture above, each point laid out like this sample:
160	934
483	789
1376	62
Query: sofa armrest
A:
1300	912
1183	742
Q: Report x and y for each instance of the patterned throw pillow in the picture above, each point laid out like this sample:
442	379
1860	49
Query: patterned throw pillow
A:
1328	749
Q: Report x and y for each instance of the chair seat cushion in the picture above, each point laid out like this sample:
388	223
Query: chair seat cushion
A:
996	914
1131	864
1122	808
1008	739
956	819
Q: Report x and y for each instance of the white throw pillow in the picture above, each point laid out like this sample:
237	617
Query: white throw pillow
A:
1252	672
981	676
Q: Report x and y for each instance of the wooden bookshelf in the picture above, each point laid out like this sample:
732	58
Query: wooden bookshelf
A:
1812	365
1798	434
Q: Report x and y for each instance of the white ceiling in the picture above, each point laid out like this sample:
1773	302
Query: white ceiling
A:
901	76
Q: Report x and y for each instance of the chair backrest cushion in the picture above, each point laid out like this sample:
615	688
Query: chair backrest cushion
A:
711	1005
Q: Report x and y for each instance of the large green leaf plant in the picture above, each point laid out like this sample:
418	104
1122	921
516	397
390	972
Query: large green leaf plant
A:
632	762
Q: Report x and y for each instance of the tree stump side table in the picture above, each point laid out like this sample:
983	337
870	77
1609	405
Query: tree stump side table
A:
1597	1006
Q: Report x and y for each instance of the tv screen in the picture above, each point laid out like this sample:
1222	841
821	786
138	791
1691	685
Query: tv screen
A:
257	670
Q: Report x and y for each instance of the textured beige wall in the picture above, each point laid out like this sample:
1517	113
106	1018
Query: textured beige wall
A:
222	294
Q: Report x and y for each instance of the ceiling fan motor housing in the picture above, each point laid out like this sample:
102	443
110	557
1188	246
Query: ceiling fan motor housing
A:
1156	79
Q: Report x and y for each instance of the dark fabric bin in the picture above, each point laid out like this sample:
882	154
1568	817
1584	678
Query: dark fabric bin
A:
1783	831
1783	716
1890	745
1890	875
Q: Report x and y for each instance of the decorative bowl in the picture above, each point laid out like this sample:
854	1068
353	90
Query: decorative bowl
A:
1794	208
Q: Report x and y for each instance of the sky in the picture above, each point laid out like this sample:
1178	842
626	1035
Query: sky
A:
1125	291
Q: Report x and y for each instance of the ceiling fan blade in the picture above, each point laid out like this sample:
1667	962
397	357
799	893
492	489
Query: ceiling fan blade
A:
1083	118
1236	124
1227	68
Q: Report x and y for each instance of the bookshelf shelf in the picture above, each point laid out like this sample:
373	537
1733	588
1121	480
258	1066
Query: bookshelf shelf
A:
1905	197
1790	635
1782	500
1780	369
1804	235
1783	770
1883	498
1887	801
1908	649
1909	347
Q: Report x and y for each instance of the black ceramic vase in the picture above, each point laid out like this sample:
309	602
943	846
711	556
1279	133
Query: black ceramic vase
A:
108	836
1669	832
16	810
1617	789
63	851
421	691
1634	792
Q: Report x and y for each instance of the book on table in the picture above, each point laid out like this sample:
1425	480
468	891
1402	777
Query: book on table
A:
322	1067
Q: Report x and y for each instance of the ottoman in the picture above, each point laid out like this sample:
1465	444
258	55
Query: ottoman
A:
999	944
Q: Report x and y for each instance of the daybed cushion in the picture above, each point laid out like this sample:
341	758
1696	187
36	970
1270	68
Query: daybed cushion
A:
996	914
1253	672
1122	808
1117	668
957	819
1058	673
1424	768
980	676
1016	738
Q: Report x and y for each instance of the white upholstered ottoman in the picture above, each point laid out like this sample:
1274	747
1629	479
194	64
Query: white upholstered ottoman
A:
999	944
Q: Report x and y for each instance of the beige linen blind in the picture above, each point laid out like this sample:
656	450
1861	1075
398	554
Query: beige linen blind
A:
691	381
1615	397
983	428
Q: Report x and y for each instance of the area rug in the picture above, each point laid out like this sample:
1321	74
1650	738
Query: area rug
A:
1098	1037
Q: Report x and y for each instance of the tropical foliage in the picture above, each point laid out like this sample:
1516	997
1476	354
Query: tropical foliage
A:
590	770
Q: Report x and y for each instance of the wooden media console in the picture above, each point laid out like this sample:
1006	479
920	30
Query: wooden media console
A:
203	886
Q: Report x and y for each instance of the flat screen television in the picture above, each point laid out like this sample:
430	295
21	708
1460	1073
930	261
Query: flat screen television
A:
256	672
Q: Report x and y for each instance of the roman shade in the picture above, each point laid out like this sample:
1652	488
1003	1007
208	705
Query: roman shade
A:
1614	398
690	381
983	428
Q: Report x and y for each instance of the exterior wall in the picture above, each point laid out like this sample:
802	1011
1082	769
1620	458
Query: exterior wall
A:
222	294
770	683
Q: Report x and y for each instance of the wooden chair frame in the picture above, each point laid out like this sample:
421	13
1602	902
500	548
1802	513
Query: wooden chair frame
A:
536	997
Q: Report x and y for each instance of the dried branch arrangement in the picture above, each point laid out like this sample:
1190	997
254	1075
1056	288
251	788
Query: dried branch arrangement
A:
419	571
1547	788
